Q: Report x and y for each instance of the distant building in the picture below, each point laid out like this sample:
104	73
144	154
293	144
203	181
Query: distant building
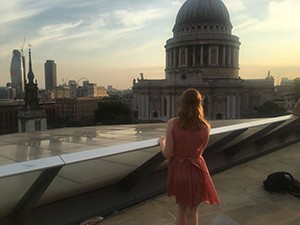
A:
50	75
285	95
73	88
8	92
91	90
78	111
9	115
101	91
17	73
61	91
203	54
124	96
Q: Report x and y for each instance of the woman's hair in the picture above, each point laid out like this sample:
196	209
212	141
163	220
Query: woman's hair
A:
190	111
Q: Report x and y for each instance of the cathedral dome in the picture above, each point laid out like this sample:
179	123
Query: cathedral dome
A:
202	11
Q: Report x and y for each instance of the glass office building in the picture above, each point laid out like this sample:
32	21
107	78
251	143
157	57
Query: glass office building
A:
17	73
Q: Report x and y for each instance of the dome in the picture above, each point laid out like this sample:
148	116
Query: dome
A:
203	11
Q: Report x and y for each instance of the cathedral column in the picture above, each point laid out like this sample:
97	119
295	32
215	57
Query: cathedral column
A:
213	55
233	56
228	108
170	58
238	107
168	99
233	106
174	57
229	56
201	55
194	56
236	57
141	106
162	106
167	59
173	112
224	56
147	107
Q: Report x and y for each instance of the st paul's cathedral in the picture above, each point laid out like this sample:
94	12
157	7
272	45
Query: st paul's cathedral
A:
203	54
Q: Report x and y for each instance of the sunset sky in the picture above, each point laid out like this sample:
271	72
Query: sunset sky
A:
111	41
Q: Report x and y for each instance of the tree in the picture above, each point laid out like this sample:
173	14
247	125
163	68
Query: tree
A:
111	112
270	109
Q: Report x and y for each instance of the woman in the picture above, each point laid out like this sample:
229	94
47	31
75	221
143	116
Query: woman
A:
297	108
188	177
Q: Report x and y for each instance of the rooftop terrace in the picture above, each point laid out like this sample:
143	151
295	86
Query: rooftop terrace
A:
65	176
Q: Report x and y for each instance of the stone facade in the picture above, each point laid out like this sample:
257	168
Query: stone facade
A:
202	54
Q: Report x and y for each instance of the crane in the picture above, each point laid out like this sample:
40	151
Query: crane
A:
23	61
22	47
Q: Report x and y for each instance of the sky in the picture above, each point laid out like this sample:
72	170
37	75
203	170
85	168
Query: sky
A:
110	42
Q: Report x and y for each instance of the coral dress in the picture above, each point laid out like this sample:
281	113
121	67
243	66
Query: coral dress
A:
188	176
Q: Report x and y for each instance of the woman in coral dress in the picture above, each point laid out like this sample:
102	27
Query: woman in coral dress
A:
188	177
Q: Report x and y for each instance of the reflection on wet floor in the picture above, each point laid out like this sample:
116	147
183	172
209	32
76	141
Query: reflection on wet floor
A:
21	147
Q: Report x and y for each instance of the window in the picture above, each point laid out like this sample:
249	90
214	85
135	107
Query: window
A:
183	77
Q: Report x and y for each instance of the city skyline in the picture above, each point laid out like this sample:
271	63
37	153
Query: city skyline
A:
110	43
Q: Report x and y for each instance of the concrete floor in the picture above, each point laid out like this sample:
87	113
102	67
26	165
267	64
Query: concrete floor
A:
244	201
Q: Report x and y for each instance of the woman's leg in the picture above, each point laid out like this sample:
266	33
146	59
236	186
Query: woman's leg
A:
192	215
181	217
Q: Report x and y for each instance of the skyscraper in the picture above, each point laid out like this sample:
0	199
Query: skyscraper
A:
17	73
50	75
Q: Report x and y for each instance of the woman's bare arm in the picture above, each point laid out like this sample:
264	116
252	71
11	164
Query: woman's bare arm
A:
166	143
297	108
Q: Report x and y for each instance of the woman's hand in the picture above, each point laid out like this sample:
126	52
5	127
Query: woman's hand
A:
162	140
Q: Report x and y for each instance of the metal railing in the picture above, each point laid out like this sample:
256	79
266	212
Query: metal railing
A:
65	159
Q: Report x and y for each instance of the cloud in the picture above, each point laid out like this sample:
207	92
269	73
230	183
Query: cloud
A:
128	18
281	15
137	19
11	11
56	32
235	5
59	29
177	2
111	27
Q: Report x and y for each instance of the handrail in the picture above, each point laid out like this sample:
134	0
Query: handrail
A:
66	159
240	126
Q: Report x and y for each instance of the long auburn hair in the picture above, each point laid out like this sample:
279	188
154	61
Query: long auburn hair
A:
191	114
